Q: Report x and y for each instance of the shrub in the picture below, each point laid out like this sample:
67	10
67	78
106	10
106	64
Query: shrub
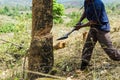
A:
58	11
8	27
74	16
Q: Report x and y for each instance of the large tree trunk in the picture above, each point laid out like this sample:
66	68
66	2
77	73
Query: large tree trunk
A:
40	57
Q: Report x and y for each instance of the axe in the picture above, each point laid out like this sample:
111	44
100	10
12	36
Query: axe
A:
66	35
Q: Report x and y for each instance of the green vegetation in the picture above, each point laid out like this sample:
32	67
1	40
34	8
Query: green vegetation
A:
114	9
58	11
13	11
75	16
6	28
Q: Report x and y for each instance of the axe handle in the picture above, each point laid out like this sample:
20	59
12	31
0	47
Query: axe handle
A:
70	31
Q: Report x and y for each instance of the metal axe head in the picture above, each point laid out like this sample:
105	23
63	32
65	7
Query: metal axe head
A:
66	35
63	37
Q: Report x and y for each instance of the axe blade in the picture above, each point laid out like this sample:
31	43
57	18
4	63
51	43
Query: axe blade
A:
66	35
62	38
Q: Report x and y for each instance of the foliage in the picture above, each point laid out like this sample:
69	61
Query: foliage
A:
74	16
114	9
12	55
15	11
4	10
15	27
58	11
8	27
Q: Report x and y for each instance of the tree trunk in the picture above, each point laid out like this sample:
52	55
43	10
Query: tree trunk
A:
40	58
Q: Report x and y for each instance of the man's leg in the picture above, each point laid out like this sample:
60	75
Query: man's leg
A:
106	44
88	48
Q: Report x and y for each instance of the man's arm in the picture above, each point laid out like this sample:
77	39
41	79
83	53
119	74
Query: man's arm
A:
82	18
77	27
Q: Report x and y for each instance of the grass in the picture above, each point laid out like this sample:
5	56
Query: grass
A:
7	28
15	35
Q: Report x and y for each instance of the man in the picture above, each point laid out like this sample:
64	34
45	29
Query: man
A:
94	11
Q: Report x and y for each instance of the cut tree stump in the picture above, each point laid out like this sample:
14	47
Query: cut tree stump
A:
40	58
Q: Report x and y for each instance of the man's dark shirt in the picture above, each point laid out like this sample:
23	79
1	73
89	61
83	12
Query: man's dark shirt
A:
95	11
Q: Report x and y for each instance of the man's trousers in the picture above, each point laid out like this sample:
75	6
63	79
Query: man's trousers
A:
103	37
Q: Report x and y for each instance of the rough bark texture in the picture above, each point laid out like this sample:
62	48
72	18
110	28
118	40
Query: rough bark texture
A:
40	57
42	17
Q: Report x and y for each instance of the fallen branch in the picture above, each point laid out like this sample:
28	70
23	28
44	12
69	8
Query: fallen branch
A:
46	75
12	43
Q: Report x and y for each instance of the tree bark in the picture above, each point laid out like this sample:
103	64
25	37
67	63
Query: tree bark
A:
40	58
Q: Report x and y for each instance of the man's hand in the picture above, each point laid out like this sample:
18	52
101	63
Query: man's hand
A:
77	26
89	23
79	23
